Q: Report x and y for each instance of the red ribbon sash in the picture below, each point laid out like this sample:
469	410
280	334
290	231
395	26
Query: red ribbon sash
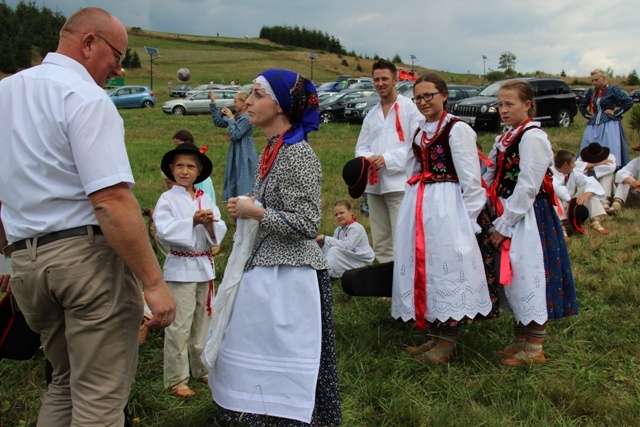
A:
420	272
211	291
396	107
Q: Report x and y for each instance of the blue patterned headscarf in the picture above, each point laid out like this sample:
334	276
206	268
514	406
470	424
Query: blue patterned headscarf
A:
297	97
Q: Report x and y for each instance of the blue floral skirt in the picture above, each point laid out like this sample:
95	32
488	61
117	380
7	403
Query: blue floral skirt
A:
561	292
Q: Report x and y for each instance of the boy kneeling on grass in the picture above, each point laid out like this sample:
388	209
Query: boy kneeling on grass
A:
188	223
572	184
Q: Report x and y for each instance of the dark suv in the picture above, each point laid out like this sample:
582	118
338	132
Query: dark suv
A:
180	90
555	104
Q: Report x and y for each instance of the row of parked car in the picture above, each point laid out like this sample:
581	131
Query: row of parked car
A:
556	102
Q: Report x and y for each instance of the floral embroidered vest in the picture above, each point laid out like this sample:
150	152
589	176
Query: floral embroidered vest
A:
511	167
437	157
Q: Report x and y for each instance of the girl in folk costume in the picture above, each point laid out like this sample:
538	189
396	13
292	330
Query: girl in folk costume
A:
534	264
276	364
438	276
349	247
605	122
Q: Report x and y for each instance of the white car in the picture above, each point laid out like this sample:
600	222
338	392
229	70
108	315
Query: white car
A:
198	103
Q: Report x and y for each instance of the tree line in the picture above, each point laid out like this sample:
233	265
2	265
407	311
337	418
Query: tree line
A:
28	33
302	37
25	33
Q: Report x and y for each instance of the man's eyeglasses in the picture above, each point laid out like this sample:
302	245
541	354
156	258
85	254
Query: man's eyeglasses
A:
116	52
424	97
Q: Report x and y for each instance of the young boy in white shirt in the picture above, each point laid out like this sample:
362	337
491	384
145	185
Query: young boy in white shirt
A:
598	162
188	223
570	183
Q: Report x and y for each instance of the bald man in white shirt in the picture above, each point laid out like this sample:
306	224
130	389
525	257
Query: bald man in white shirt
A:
75	233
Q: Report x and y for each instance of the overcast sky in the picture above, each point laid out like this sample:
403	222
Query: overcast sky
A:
449	35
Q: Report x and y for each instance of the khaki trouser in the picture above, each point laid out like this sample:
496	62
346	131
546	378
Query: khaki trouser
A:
184	338
87	306
383	214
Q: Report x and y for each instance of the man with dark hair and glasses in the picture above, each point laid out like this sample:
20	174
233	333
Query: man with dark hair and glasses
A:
385	139
72	226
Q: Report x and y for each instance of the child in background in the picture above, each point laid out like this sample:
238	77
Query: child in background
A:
570	183
598	162
628	179
189	224
528	231
349	247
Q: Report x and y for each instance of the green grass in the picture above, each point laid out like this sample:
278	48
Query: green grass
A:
591	378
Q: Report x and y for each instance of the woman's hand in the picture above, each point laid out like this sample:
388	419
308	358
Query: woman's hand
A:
246	209
227	112
496	239
320	240
212	96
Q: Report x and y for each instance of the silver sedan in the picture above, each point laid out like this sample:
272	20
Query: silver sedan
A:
198	103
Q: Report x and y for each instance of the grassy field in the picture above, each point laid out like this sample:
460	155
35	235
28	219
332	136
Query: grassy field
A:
592	375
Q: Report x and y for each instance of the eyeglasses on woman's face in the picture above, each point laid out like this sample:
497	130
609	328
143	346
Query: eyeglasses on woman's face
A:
426	97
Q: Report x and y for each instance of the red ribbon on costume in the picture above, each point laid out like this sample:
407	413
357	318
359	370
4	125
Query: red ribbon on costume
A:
203	150
199	194
597	93
373	175
211	291
492	192
547	184
484	159
420	272
398	125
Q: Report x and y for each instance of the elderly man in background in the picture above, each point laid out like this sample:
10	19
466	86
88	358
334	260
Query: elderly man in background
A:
76	236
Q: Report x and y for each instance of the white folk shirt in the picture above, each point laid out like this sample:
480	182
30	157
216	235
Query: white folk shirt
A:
173	217
630	170
575	184
61	139
379	135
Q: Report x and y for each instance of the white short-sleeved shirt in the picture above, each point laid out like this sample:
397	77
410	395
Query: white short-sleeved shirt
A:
61	139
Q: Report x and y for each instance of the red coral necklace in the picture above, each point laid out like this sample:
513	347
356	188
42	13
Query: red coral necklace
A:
425	140
269	156
508	137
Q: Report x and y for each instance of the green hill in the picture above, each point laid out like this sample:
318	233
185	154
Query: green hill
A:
218	58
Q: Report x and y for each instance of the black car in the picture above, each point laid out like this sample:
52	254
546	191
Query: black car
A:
180	90
579	91
555	104
332	107
636	95
459	92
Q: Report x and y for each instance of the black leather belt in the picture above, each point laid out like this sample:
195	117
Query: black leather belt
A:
57	235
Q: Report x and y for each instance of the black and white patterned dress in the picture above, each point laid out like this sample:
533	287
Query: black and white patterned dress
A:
290	194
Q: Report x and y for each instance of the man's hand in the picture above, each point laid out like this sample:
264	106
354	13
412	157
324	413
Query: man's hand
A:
162	304
5	284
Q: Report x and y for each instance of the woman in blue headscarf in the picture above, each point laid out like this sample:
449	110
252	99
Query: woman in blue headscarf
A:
276	363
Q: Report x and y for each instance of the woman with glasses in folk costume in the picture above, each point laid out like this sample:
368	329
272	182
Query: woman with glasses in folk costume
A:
276	364
438	278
